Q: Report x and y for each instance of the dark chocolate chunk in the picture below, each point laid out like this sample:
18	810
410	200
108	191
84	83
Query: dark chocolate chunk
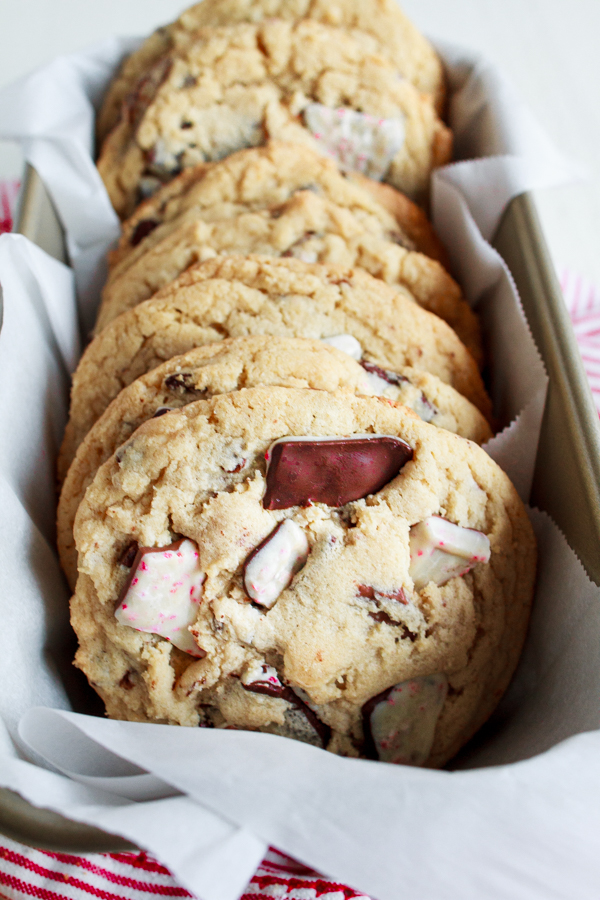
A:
142	229
390	377
333	471
126	681
162	410
322	730
271	688
369	748
129	554
146	89
185	125
368	591
182	382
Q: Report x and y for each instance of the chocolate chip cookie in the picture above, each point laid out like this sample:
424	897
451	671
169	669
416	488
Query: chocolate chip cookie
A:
317	565
396	37
233	296
247	362
307	226
237	86
264	177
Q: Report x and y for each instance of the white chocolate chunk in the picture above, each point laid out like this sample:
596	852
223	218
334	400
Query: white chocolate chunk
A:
346	343
256	672
356	140
423	408
403	723
164	593
376	384
270	569
440	550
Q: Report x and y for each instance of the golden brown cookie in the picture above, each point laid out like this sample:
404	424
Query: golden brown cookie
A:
314	564
250	361
397	38
307	225
304	82
236	296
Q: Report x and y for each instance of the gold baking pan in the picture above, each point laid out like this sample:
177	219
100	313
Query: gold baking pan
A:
567	473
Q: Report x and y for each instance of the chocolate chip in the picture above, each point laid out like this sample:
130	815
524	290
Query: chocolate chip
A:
182	382
382	616
129	554
322	730
161	411
189	81
333	471
390	377
186	125
142	229
146	89
126	681
402	240
369	749
265	687
368	591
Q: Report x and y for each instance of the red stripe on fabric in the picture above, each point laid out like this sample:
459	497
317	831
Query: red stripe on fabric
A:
82	863
22	861
140	861
28	889
290	865
319	885
592	316
591	298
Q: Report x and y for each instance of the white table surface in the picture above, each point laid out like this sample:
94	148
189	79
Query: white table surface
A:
550	49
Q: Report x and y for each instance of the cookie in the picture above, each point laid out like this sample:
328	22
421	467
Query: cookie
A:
236	296
318	565
267	176
397	39
221	368
309	227
237	86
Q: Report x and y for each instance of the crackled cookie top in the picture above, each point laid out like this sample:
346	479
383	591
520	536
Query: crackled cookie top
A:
396	38
233	296
264	177
239	85
270	559
247	362
308	227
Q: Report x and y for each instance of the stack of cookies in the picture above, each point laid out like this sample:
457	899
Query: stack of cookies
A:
274	512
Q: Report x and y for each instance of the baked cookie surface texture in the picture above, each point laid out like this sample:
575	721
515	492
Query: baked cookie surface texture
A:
304	223
232	296
396	37
248	362
318	565
304	82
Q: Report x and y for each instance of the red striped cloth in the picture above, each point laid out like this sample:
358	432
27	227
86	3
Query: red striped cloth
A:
583	302
8	196
134	876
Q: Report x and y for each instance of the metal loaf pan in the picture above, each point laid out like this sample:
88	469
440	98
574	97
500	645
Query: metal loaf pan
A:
567	473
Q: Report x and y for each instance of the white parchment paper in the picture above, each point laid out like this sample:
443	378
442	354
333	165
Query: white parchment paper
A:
518	818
